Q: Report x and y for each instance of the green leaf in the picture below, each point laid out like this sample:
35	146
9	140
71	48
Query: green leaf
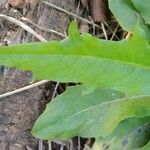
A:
90	115
128	12
123	66
131	133
146	147
143	7
73	31
125	13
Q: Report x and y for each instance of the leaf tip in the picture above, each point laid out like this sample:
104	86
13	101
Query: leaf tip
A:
73	29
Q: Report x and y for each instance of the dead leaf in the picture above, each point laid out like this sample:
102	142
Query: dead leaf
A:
18	4
99	10
85	4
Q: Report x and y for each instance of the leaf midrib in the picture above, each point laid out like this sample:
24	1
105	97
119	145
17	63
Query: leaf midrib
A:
118	100
142	66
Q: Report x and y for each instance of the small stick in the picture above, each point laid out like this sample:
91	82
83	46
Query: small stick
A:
104	31
69	13
49	145
128	35
79	143
23	25
111	30
23	89
114	33
43	28
62	147
40	147
55	90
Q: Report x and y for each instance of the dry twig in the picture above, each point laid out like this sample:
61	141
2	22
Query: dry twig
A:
23	89
104	31
43	28
71	14
23	25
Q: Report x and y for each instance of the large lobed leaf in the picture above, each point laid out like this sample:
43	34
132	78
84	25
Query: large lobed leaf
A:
88	115
122	66
143	7
127	12
131	133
